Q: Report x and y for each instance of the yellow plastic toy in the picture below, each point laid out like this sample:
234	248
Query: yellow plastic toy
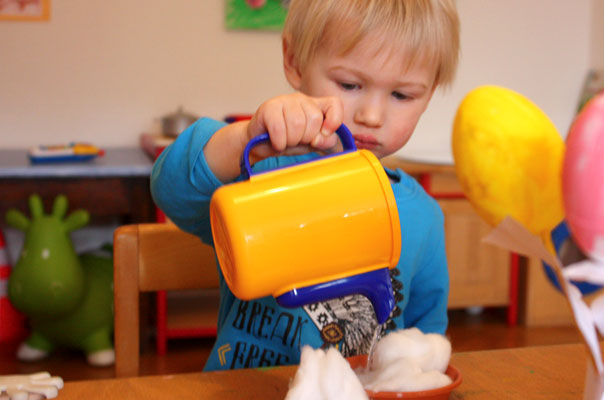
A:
508	159
310	231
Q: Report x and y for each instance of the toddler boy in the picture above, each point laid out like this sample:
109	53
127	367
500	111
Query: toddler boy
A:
372	65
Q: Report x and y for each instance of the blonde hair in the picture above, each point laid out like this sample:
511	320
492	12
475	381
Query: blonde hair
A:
428	30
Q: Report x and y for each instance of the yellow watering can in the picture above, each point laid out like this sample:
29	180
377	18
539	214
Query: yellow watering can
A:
310	231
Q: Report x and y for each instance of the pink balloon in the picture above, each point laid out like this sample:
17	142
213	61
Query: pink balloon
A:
583	178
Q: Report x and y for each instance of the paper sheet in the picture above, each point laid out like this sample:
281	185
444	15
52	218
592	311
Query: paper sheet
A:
513	236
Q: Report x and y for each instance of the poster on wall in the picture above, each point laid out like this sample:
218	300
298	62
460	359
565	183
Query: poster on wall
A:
24	10
256	14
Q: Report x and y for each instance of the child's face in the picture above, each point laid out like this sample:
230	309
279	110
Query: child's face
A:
382	99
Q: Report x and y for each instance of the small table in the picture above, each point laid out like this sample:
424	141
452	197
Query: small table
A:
546	372
114	185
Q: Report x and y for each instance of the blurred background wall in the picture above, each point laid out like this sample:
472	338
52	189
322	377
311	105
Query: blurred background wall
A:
107	71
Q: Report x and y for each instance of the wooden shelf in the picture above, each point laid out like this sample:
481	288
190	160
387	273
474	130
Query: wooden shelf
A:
479	273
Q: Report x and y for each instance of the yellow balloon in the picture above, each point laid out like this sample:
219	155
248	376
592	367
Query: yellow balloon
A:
508	159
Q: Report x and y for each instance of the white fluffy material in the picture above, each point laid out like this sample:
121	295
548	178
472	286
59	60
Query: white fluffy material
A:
404	361
408	360
325	376
429	351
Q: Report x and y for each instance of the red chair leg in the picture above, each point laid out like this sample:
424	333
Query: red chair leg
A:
161	323
512	312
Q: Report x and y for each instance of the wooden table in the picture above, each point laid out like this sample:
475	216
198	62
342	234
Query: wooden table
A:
115	185
547	372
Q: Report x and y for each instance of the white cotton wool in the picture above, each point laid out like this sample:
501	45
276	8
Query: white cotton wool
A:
408	343
403	376
408	360
441	353
381	378
339	380
305	382
428	351
324	376
404	361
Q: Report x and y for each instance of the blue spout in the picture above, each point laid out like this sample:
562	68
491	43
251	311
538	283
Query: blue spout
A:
375	285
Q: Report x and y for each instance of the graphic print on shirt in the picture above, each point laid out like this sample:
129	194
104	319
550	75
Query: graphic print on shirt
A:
262	334
349	322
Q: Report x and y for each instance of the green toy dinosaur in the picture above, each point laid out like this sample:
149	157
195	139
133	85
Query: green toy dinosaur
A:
67	298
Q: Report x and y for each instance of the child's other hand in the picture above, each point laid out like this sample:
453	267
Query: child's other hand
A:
296	124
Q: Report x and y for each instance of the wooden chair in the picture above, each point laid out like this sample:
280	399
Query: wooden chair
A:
152	257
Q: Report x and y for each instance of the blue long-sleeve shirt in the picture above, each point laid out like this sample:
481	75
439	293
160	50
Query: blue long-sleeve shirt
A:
260	332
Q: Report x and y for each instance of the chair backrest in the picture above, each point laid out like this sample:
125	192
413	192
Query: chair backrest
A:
151	257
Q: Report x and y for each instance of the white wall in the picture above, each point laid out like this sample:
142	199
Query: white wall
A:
105	71
539	48
597	35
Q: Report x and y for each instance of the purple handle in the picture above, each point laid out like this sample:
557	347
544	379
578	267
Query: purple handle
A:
342	132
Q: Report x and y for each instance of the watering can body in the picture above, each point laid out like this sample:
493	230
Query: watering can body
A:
310	231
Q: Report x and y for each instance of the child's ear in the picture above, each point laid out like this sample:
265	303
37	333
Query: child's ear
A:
292	71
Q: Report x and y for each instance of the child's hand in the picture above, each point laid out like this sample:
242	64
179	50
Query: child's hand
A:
296	124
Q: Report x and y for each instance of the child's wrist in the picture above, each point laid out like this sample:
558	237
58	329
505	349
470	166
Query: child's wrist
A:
245	134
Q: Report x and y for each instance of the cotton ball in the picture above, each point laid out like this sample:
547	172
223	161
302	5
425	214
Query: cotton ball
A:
408	360
424	381
409	343
324	376
403	375
440	354
388	377
338	380
305	383
399	381
429	351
